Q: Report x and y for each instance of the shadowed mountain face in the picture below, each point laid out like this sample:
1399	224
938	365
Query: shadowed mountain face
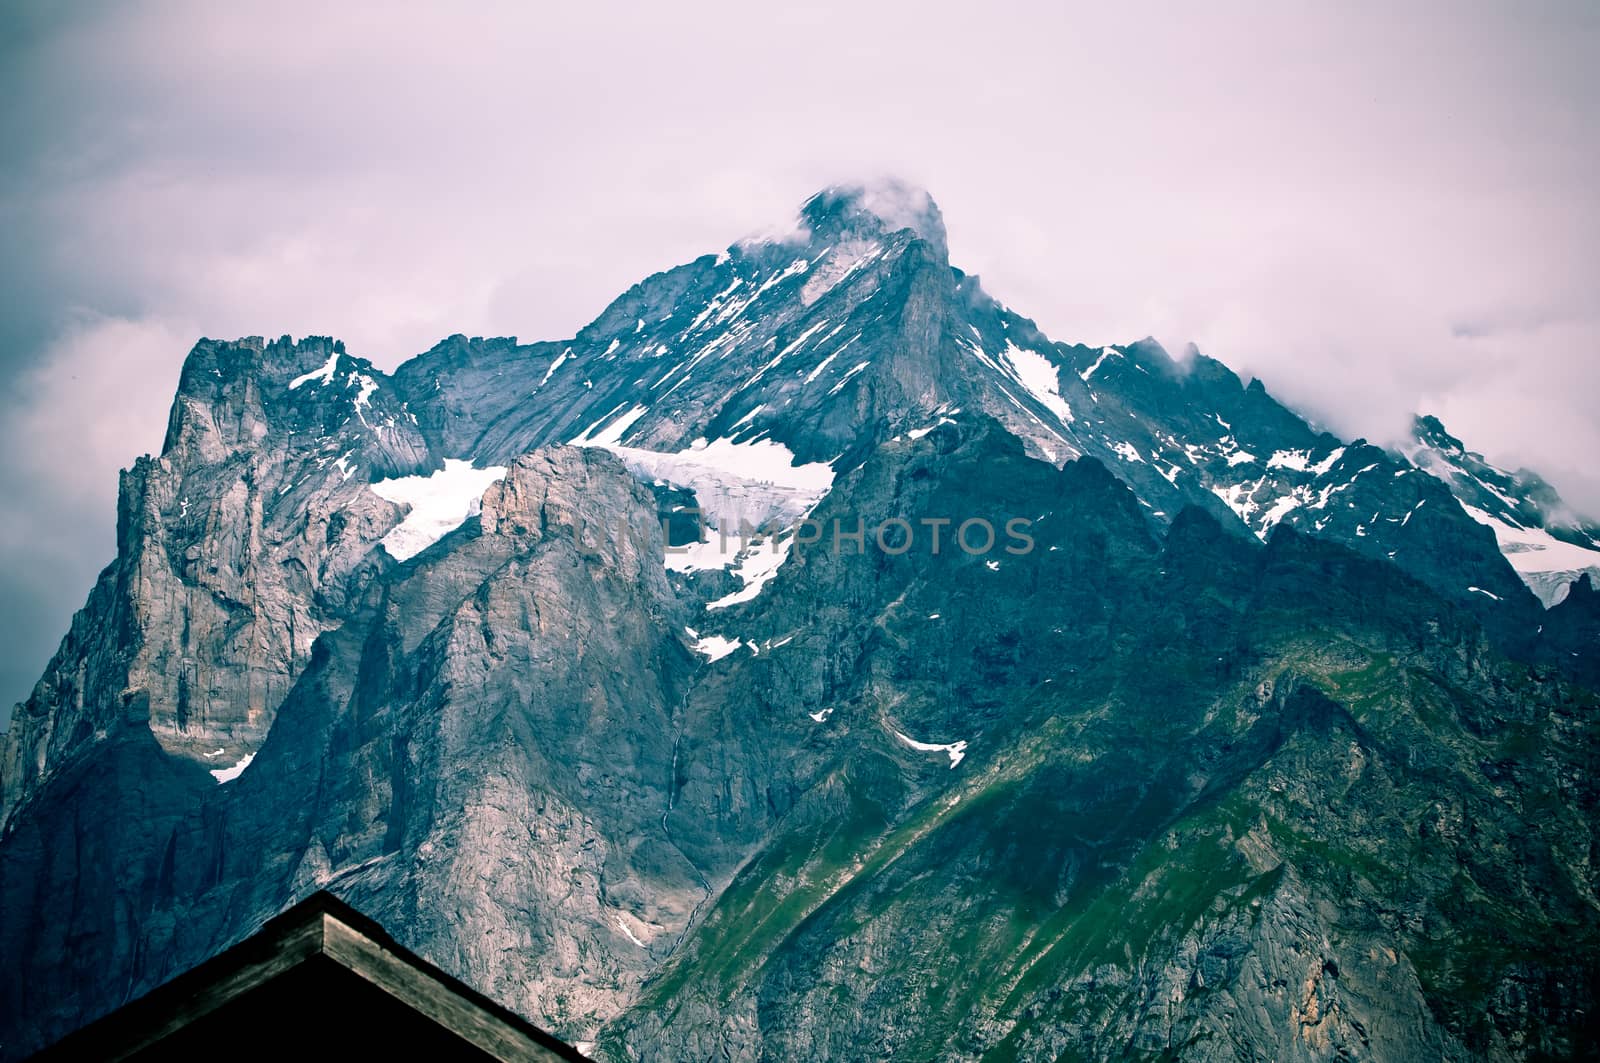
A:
810	658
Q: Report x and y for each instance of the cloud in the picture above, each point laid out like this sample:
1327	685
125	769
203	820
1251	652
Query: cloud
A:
1369	208
98	398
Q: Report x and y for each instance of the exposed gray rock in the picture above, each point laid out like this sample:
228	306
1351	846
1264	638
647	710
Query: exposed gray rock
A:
237	547
1229	762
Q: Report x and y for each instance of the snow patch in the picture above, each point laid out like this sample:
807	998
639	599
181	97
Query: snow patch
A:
1280	509
1321	468
622	926
1105	352
715	551
747	418
1238	499
794	269
559	362
1300	461
614	431
820	367
1288	459
440	503
757	480
367	387
795	345
223	775
324	374
846	378
918	433
739	489
955	750
715	646
760	563
1039	375
1128	452
1545	563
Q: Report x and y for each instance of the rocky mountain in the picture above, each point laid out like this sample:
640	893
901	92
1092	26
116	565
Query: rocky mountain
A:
1548	544
810	657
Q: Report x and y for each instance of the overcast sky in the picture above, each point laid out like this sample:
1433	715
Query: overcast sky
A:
1373	212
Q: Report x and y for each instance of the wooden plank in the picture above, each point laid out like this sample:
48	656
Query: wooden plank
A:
430	992
319	930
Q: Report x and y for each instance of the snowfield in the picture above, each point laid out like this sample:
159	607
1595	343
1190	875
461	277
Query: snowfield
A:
440	503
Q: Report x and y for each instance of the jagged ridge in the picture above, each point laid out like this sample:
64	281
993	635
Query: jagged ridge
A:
687	805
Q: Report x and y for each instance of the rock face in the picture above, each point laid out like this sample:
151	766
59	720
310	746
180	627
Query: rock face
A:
237	547
1098	706
1548	544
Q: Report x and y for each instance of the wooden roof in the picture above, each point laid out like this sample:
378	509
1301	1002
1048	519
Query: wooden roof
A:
320	979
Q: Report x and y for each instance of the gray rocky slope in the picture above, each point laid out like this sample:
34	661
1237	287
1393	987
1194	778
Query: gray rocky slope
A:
1259	747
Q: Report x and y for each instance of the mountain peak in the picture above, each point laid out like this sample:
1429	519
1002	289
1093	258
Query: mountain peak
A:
875	208
1430	431
916	598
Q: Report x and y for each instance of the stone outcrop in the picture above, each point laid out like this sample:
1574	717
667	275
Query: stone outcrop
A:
1236	741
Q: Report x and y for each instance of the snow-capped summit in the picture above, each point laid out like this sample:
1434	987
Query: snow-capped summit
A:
438	639
1548	543
875	208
